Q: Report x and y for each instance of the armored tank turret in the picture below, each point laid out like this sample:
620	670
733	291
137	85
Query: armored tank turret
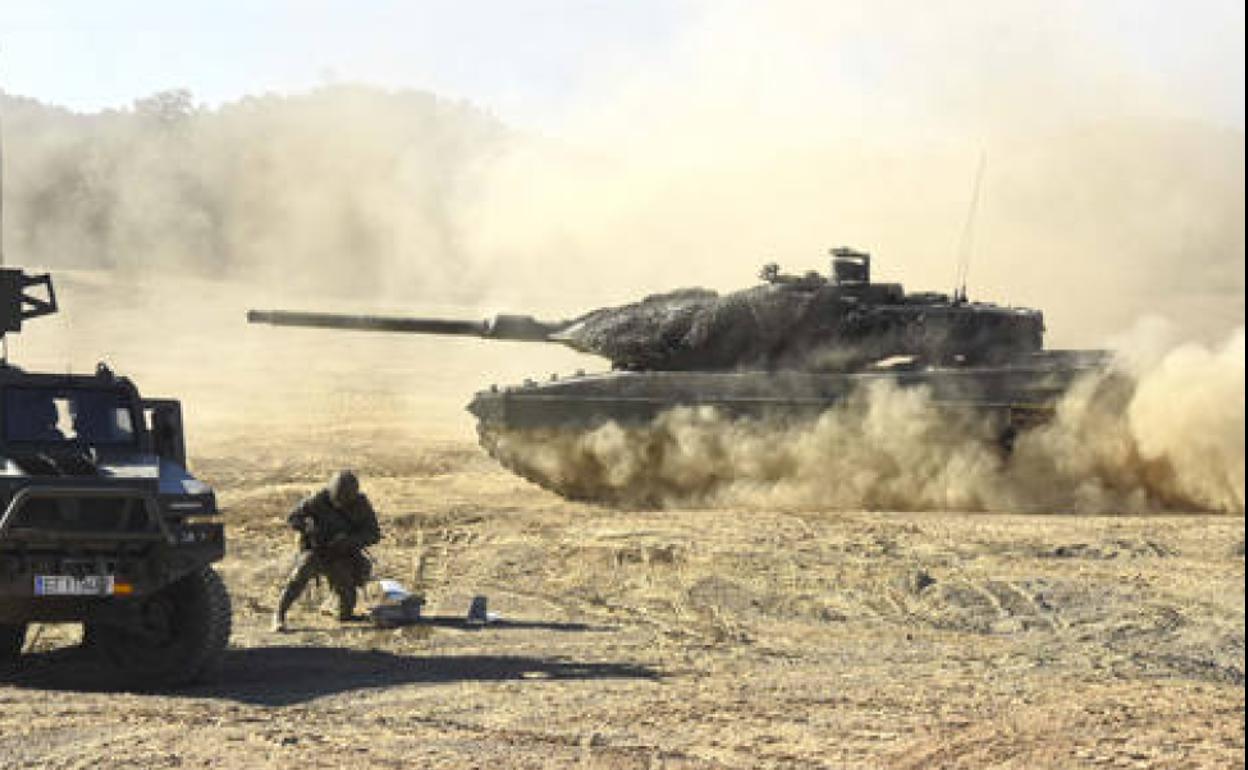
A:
805	323
790	347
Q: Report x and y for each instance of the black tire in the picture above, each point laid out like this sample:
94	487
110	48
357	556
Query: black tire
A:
12	639
184	638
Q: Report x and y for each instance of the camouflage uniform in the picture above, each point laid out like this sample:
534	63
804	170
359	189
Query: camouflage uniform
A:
335	525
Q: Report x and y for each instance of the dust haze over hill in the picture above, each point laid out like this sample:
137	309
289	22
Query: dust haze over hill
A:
766	133
346	188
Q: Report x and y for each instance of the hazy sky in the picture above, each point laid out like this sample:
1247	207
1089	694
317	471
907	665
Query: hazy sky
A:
522	59
530	61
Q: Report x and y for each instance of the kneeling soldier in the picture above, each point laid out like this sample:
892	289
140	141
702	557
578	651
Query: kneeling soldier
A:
335	526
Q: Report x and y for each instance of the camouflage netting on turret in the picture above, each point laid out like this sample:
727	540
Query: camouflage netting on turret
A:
763	327
797	323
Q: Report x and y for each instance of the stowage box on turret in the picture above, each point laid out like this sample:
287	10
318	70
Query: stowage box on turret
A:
792	346
101	523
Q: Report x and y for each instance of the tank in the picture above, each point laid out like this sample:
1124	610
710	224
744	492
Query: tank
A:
788	348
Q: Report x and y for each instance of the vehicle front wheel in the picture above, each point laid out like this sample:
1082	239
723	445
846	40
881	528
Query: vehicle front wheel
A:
179	635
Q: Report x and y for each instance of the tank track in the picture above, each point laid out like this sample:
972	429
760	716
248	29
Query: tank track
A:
488	437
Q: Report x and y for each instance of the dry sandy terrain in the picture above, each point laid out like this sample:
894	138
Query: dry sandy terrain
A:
686	639
677	639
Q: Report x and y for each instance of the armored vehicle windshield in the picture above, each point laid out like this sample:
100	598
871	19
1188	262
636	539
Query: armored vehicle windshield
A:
72	415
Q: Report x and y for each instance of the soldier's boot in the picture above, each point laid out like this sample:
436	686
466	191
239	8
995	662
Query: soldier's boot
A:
346	604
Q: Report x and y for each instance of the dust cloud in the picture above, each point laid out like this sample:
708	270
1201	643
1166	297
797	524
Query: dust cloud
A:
347	190
1133	439
773	132
765	133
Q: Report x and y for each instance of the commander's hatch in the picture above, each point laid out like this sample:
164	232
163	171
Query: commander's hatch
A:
23	297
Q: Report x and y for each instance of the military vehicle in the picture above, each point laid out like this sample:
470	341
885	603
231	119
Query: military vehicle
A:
788	348
102	524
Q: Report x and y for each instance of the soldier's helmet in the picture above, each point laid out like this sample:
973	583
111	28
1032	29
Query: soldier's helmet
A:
343	488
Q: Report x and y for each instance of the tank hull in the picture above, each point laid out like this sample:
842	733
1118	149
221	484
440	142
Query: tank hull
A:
631	398
1011	397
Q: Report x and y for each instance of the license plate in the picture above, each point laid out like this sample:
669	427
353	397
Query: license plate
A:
68	585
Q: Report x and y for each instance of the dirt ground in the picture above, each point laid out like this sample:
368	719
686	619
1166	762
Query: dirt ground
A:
625	639
686	639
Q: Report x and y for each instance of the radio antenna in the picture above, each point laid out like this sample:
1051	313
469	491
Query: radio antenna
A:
966	242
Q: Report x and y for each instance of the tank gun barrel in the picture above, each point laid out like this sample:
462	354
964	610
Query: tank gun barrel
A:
502	327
